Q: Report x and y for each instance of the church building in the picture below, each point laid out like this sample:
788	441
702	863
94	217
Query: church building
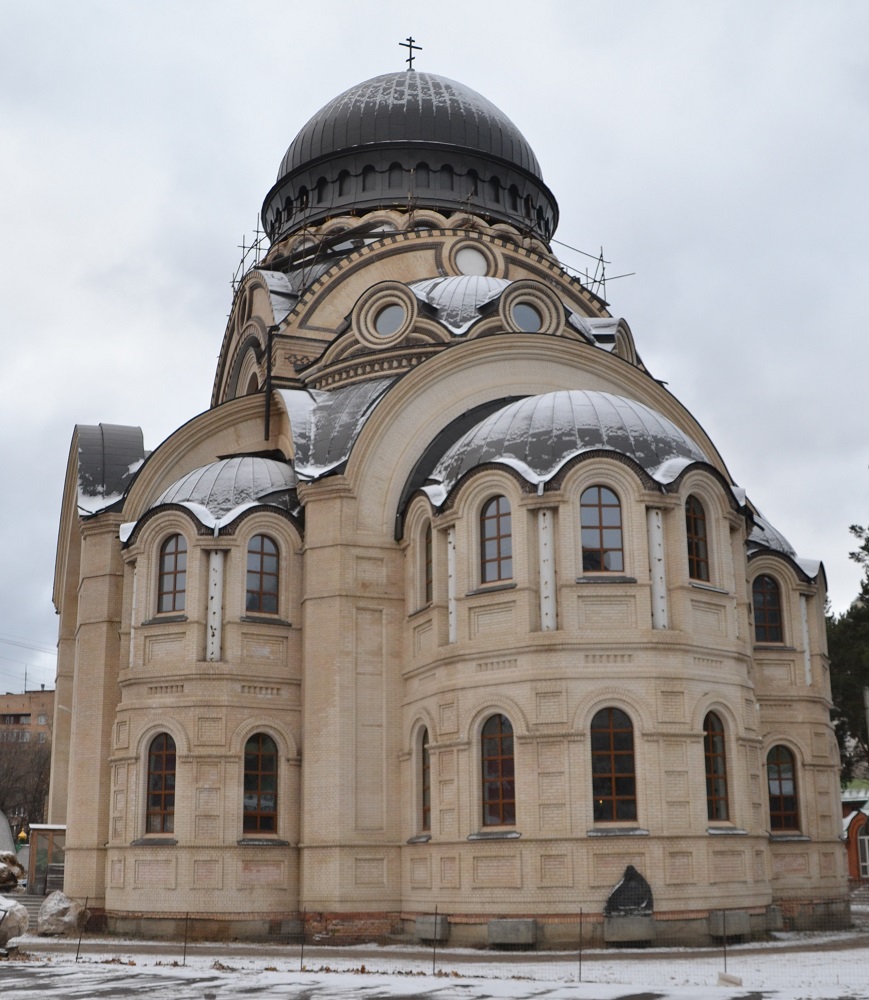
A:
444	604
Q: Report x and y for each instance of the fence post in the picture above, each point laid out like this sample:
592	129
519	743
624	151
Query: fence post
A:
81	931
186	922
580	944
434	941
302	949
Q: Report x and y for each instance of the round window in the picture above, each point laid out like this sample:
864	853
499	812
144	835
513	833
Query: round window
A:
470	261
527	317
389	319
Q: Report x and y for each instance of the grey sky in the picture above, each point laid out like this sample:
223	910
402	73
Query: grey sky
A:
718	150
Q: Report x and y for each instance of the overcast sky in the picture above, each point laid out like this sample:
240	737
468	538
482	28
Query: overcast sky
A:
718	150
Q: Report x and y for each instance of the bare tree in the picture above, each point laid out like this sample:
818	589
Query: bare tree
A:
24	773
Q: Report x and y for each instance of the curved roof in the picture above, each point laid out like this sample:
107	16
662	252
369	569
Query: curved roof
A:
410	107
232	482
409	139
458	299
538	434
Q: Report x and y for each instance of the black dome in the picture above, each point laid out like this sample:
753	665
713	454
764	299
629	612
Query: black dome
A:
410	137
410	107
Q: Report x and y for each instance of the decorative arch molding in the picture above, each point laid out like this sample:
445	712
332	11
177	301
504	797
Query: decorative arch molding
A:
471	721
703	706
782	567
612	697
250	349
695	478
423	719
193	445
167	724
284	739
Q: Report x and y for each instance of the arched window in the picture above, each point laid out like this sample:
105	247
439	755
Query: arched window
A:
262	576
782	780
303	198
172	587
471	182
322	187
601	520
396	176
766	599
260	785
160	810
499	783
425	781
369	178
613	781
716	768
421	176
343	182
428	565
514	198
445	178
252	384
698	549
495	190
496	541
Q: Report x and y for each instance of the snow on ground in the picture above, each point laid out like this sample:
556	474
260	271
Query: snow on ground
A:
794	967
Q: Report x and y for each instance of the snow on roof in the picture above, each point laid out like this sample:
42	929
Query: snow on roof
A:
325	425
537	435
458	299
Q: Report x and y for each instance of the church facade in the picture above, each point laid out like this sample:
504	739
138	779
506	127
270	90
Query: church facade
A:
444	603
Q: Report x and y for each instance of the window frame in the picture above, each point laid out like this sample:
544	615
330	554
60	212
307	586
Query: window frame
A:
262	575
778	817
252	819
715	759
160	799
501	563
766	610
175	596
424	781
498	779
697	541
600	528
427	562
617	806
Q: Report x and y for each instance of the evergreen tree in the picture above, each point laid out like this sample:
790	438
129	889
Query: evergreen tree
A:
848	641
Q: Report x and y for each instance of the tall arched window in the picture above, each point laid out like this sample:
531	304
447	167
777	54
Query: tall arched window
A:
172	587
766	599
445	178
260	785
496	541
396	175
369	178
613	781
601	521
262	576
343	182
425	781
160	809
716	768
499	776
782	781
698	547
421	176
428	565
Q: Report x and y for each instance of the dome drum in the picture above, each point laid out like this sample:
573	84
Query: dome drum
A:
409	177
406	140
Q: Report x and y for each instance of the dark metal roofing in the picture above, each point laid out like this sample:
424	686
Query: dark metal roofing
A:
405	140
108	458
222	486
408	107
325	425
538	434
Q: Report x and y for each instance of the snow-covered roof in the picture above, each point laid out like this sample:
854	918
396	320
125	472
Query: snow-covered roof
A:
458	299
218	493
537	435
326	424
109	455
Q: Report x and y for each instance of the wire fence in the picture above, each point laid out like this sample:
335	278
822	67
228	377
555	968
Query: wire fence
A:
807	960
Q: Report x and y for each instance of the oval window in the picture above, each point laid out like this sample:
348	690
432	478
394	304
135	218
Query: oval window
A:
389	319
527	317
471	261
